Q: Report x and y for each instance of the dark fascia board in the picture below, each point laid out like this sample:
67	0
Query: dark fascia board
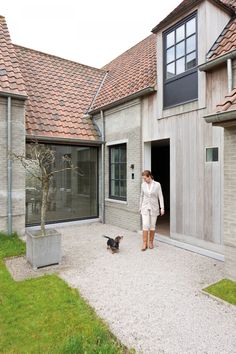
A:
140	93
211	64
169	19
64	141
13	95
222	118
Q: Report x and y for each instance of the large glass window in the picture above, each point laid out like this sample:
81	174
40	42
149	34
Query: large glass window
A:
73	193
117	176
181	48
180	84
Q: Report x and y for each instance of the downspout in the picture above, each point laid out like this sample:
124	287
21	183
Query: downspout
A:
9	167
230	75
103	166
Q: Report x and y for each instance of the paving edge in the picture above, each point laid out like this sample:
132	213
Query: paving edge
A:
218	299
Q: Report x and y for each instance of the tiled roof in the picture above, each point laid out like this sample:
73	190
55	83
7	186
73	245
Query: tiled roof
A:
59	94
186	5
129	73
225	43
11	81
229	103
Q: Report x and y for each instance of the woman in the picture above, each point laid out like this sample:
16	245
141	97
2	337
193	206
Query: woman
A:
151	205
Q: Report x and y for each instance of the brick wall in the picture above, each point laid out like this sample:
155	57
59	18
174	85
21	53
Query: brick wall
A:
230	202
122	124
18	173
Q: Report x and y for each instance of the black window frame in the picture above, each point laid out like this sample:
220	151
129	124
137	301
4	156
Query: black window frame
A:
189	76
118	165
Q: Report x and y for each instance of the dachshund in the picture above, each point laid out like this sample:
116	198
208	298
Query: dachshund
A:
113	244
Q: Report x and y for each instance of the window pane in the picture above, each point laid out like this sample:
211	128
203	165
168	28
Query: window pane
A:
122	189
115	188
191	44
114	155
191	60
170	54
211	154
114	171
180	49
72	193
170	70
180	67
191	27
123	171
122	153
180	33
170	39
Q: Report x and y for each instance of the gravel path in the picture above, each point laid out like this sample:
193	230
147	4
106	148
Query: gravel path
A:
151	300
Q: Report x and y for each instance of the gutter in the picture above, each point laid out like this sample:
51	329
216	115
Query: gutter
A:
9	167
220	60
125	99
13	95
103	167
58	140
221	117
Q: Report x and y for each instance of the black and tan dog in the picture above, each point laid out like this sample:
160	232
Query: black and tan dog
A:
113	243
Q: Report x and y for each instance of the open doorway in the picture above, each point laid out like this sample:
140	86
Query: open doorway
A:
160	166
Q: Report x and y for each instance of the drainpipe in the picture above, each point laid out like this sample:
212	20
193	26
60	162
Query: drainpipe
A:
103	166
230	75
9	167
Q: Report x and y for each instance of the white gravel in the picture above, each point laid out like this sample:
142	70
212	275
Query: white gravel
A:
152	301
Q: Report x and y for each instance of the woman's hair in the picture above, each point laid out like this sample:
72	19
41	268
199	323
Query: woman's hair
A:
147	173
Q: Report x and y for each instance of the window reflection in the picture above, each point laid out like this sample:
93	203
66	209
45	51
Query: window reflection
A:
72	193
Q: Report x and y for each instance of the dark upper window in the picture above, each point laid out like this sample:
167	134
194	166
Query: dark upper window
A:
180	62
117	175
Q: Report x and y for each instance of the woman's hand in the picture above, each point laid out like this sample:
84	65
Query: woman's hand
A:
162	212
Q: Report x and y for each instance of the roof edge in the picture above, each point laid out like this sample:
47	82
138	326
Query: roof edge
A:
217	61
58	140
169	19
143	92
13	95
221	117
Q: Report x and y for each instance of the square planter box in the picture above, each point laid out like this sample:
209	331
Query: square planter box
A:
42	251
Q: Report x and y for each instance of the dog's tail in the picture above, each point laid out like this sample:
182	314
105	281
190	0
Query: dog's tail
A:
105	236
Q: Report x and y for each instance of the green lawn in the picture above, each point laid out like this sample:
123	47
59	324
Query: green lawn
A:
44	315
224	289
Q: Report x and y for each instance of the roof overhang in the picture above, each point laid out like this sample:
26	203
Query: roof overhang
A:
223	119
144	92
64	141
13	95
208	66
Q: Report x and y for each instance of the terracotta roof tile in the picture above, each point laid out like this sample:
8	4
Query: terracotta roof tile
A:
129	73
187	5
59	94
229	103
225	43
11	80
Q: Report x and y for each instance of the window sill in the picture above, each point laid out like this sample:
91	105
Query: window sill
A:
116	201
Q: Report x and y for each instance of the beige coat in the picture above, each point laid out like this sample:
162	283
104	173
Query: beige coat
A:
151	199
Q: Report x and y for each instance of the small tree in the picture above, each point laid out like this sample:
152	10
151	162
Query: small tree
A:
39	163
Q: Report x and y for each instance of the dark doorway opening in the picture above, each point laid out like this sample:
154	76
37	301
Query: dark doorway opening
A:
160	166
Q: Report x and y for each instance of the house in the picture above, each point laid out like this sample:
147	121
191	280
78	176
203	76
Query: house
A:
147	109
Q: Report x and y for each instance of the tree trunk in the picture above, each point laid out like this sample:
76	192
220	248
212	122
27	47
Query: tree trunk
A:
45	188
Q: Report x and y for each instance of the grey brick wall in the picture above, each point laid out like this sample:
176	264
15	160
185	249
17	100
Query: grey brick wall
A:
18	173
123	124
230	202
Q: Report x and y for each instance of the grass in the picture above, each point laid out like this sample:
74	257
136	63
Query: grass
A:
225	289
45	315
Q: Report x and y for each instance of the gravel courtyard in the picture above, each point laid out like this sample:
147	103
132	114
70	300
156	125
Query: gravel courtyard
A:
152	301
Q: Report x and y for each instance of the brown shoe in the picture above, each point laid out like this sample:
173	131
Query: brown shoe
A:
151	239
145	240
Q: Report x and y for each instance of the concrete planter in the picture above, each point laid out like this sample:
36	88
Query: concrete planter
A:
42	251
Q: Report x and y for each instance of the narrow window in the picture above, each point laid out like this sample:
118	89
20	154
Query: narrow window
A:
212	154
180	62
117	175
